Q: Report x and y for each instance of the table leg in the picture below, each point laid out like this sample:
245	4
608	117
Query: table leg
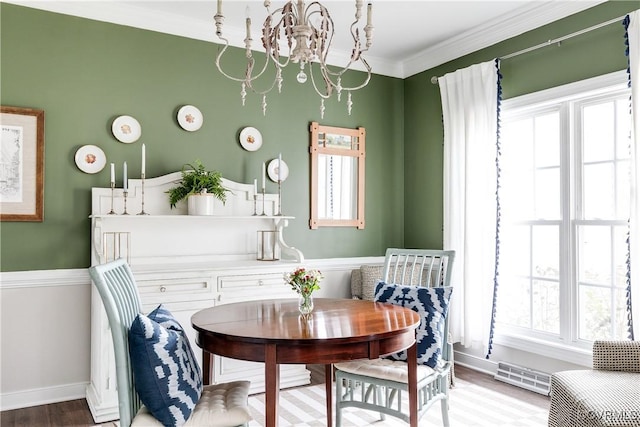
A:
272	385
328	384
206	367
412	358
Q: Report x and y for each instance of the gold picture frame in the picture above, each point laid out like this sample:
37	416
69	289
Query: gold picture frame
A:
21	164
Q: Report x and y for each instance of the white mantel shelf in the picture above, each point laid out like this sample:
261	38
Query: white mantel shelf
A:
192	217
166	233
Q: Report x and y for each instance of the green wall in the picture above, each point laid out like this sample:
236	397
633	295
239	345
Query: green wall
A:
592	54
84	73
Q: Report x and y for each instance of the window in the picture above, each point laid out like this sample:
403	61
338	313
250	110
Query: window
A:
565	192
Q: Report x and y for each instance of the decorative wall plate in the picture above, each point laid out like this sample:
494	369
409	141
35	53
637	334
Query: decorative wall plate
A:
272	170
90	159
250	139
190	118
126	129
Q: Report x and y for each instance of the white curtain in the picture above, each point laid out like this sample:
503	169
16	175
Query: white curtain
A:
469	106
633	32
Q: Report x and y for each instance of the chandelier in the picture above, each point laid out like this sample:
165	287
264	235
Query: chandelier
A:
308	32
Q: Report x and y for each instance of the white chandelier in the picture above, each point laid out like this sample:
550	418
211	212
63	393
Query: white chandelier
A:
308	32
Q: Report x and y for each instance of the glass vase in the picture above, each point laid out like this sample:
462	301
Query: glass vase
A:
305	304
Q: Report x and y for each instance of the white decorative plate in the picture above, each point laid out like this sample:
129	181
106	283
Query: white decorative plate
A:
272	170
126	129
190	118
250	139
90	159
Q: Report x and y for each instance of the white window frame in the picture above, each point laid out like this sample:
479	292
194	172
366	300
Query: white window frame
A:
551	345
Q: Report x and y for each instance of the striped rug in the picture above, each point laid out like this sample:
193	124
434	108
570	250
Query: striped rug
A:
470	405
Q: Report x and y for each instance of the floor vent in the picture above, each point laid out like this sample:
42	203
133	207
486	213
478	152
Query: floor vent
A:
537	381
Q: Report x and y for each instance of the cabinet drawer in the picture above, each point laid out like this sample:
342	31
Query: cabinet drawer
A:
247	287
175	288
250	281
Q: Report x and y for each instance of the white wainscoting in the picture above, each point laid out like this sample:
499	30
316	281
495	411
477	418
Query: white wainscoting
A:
44	336
45	329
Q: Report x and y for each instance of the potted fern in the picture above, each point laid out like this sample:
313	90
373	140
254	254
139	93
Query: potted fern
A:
200	187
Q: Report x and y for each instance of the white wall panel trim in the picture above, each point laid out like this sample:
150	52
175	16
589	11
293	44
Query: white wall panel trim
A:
42	278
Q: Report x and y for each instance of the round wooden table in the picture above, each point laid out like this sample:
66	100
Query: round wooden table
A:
274	332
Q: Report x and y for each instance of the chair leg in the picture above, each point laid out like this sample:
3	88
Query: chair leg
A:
339	397
444	405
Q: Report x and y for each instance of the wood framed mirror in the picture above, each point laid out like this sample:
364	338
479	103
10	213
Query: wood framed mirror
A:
337	176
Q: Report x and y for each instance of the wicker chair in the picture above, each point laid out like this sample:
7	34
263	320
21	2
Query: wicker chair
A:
607	395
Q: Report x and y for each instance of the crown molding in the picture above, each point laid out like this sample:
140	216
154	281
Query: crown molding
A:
494	31
499	29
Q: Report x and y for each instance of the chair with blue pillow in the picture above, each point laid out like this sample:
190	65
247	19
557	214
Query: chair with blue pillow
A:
158	378
418	279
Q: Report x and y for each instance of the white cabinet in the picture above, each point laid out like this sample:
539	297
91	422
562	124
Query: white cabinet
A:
187	263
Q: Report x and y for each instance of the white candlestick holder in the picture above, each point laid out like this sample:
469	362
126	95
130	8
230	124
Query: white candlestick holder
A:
112	185
142	212
125	192
279	213
264	213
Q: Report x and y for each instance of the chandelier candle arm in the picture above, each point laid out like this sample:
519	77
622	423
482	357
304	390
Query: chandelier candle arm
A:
308	32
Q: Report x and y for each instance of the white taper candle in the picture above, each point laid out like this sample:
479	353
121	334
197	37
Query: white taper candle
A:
113	174
124	177
143	159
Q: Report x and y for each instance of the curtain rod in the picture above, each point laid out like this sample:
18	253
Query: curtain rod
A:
559	40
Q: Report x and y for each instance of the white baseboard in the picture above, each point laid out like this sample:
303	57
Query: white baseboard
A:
476	363
42	396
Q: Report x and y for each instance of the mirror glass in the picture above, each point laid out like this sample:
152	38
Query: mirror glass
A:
337	176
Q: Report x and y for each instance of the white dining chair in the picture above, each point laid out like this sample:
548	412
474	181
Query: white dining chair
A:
419	279
221	405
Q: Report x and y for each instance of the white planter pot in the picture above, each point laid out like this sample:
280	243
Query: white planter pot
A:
200	204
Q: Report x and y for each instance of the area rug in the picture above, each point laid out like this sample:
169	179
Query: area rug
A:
470	405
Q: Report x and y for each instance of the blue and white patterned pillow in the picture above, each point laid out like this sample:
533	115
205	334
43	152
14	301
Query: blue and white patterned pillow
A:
432	305
166	373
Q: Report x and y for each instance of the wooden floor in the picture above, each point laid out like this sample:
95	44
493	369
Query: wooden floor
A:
76	412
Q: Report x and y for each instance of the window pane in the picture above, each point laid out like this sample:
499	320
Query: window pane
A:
623	190
514	301
516	192
546	306
621	251
547	147
598	132
547	193
515	249
623	131
598	191
545	252
594	254
594	317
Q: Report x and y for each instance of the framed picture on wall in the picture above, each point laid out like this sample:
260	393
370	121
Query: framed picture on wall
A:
21	164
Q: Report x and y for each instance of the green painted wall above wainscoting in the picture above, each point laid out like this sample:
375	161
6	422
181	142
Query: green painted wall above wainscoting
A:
592	54
84	73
